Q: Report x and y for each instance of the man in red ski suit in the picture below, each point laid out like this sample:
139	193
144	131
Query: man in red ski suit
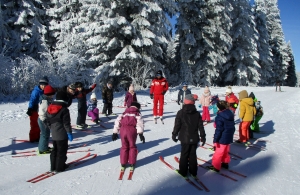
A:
159	87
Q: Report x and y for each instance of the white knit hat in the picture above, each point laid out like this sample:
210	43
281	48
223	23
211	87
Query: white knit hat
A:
93	96
228	90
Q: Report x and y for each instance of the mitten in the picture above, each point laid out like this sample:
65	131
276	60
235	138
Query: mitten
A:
199	105
235	105
203	140
151	96
70	137
104	101
174	138
94	85
142	138
29	111
114	136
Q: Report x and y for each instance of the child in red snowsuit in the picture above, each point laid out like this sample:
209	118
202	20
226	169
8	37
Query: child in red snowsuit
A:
159	87
231	99
129	125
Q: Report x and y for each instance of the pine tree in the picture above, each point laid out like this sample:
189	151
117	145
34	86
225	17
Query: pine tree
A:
276	41
291	72
263	47
203	28
242	67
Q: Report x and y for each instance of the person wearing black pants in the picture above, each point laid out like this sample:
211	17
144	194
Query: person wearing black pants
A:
107	99
188	124
59	121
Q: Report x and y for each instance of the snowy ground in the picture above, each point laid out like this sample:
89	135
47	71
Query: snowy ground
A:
274	171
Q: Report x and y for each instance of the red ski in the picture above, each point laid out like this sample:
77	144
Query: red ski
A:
122	171
186	179
196	179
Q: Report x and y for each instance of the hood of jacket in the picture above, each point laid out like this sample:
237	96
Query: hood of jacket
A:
227	114
55	107
189	108
132	110
248	101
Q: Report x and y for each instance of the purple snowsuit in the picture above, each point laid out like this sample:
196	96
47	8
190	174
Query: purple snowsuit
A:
92	109
129	124
129	98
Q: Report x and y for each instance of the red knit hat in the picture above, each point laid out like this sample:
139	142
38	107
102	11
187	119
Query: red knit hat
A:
190	99
48	90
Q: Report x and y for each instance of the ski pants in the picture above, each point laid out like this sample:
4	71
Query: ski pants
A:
58	156
254	126
244	131
82	110
34	133
44	137
221	155
188	159
128	152
205	114
158	100
107	108
94	114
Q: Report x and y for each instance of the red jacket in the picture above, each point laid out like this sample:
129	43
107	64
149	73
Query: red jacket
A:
232	96
159	86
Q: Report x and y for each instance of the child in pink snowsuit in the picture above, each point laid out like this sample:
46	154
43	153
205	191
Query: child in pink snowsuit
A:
223	137
205	102
92	109
129	125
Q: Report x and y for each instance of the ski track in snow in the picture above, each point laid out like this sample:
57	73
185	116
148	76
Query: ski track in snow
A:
274	171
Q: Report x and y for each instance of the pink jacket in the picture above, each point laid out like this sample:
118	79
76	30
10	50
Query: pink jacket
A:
205	99
131	118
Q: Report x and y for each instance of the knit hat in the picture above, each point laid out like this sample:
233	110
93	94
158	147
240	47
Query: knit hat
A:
243	94
222	105
252	95
72	86
44	81
184	84
62	95
136	104
93	96
229	90
159	73
48	90
79	84
190	99
206	90
131	88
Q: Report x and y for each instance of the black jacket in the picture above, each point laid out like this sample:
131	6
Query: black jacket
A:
188	122
70	96
58	120
182	94
107	94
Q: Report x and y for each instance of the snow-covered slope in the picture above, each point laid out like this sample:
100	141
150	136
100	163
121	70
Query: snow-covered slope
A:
274	171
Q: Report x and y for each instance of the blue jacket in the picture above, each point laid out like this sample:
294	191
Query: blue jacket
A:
224	127
35	98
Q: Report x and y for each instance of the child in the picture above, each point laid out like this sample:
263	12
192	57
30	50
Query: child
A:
214	100
82	107
205	102
58	120
230	94
223	137
259	113
45	100
130	97
188	122
182	93
107	96
92	109
247	112
32	112
129	125
232	105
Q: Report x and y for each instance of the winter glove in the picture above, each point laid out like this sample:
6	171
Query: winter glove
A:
235	105
151	96
142	138
174	138
164	92
29	111
199	106
114	136
94	85
178	103
203	140
70	137
104	101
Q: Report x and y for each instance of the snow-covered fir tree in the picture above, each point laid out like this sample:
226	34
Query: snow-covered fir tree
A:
242	66
263	47
203	29
291	79
276	41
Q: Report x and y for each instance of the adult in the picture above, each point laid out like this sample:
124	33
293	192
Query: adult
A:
32	111
71	92
159	87
278	84
107	98
182	93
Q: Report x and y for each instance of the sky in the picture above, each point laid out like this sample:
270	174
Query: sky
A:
290	18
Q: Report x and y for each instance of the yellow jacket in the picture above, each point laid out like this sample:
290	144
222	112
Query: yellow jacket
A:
247	109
